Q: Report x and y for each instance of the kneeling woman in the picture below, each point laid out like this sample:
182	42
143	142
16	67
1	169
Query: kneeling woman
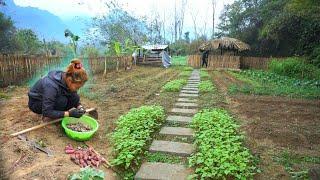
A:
55	95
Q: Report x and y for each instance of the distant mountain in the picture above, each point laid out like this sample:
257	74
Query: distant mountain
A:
44	23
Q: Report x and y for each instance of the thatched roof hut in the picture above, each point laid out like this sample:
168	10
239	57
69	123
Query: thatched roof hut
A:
225	43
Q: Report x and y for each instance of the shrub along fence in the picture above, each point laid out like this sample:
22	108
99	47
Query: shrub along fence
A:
230	62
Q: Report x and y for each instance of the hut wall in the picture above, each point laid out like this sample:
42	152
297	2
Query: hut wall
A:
215	62
231	62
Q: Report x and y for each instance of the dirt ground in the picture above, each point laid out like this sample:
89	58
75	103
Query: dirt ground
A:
273	124
113	95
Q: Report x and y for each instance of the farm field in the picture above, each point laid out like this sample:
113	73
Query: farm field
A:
282	133
113	96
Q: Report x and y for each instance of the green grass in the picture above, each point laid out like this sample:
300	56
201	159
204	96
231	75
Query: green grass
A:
220	151
296	165
185	74
206	86
179	60
175	85
204	74
266	83
3	96
164	158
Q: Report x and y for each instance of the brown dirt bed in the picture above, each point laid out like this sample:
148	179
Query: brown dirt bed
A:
134	88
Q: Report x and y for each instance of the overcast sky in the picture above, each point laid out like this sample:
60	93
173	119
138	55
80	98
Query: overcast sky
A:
201	9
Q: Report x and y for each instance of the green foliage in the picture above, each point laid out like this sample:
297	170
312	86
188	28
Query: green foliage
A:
179	60
187	69
118	26
132	133
175	85
87	173
204	74
295	68
278	28
90	51
164	158
185	74
314	57
266	83
295	164
206	86
27	41
74	41
7	42
179	48
220	150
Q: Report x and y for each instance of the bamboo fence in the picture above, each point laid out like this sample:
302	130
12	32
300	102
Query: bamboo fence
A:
14	69
109	63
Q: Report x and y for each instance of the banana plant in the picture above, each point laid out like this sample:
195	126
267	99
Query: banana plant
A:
74	39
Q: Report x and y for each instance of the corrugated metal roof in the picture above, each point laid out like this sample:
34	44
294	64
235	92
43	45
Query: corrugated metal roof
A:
155	47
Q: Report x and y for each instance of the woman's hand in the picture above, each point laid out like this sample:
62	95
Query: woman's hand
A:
77	113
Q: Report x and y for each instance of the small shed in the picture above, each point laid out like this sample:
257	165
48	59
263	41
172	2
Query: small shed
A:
150	54
225	45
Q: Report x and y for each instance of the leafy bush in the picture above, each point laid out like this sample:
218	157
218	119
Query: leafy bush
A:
185	74
220	151
87	173
206	86
187	69
175	85
132	133
315	56
204	74
295	68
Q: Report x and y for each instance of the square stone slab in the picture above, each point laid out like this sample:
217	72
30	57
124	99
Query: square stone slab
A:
176	131
188	95
163	171
184	111
187	100
170	147
179	119
189	92
194	105
191	89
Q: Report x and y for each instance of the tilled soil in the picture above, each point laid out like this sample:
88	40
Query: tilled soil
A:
273	124
114	94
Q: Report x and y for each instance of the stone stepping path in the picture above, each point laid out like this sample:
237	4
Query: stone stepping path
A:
186	100
189	92
188	95
190	89
181	114
162	171
170	147
179	119
176	131
186	105
184	111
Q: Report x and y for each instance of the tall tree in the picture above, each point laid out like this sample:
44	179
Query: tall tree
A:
27	41
7	31
214	3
